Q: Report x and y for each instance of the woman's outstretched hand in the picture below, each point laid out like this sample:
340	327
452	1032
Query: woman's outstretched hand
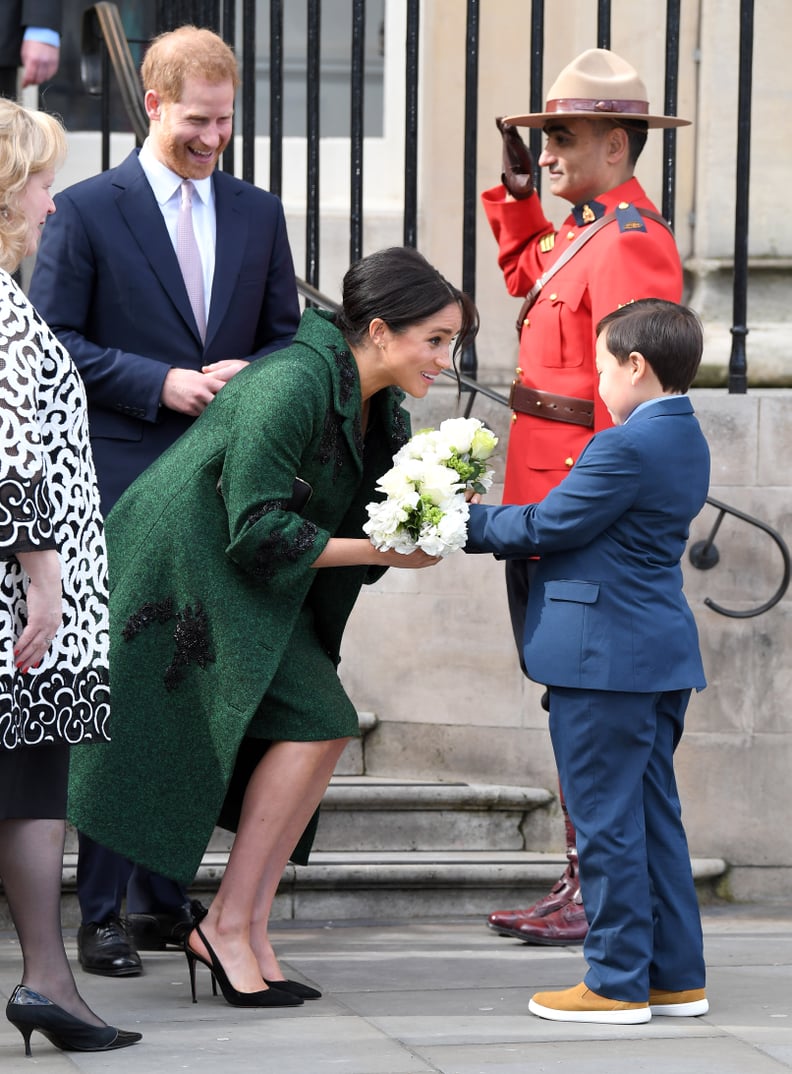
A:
360	552
413	561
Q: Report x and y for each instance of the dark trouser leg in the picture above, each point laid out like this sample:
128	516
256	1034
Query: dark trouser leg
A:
102	877
103	944
558	917
150	893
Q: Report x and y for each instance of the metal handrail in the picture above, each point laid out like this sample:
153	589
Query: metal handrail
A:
102	22
704	555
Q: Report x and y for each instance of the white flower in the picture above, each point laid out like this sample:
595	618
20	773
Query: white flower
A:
426	446
450	534
483	444
384	521
458	433
398	484
439	483
424	490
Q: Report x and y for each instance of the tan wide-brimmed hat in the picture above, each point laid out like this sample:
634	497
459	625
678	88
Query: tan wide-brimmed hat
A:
598	84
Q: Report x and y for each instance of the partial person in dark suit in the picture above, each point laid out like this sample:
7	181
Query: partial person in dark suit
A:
30	39
108	280
609	630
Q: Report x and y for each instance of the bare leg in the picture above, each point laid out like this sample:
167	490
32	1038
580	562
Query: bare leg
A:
281	797
31	864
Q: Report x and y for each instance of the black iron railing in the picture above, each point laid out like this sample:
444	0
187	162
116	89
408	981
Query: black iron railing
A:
100	26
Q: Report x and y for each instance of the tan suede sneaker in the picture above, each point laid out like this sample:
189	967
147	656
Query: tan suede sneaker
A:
687	1004
580	1004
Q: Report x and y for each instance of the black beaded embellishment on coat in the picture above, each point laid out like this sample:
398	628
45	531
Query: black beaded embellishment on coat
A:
150	612
399	425
192	644
331	446
191	635
347	374
275	545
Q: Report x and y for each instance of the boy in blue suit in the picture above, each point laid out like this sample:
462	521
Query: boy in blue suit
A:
609	630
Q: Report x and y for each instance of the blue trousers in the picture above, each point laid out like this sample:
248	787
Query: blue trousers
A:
104	878
615	757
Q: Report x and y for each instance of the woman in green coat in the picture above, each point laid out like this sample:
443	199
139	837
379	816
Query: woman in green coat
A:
235	561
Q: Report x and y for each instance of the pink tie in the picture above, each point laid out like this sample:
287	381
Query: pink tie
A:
189	257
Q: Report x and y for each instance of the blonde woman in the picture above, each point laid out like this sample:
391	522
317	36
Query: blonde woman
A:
53	622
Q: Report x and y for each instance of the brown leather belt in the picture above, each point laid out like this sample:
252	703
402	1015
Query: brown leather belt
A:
555	407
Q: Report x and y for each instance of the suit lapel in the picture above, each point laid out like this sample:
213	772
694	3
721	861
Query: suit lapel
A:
231	230
139	208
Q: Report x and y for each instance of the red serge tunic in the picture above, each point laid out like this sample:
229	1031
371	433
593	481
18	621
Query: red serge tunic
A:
630	258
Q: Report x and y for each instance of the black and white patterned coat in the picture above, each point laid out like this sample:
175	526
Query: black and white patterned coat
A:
48	499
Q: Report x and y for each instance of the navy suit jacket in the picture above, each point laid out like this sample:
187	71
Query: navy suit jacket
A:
108	283
606	609
16	16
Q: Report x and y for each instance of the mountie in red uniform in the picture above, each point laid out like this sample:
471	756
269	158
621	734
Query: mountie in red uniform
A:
632	257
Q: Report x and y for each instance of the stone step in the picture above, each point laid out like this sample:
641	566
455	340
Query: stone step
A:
394	885
361	885
352	761
393	848
381	814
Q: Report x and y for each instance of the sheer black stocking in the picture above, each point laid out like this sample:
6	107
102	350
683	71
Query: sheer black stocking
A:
31	862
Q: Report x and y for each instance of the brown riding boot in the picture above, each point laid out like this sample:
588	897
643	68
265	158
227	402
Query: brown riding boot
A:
566	925
529	924
508	922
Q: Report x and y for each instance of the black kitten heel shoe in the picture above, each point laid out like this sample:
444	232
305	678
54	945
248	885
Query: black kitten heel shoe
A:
28	1010
295	988
267	997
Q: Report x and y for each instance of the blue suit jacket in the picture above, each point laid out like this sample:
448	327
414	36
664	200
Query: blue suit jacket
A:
108	283
606	610
15	16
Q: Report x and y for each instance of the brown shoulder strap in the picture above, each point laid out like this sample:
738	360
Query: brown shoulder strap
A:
570	252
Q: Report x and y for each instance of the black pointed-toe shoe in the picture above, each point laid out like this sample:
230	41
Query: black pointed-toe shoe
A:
29	1011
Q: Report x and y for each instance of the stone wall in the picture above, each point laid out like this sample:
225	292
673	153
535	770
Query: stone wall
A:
431	654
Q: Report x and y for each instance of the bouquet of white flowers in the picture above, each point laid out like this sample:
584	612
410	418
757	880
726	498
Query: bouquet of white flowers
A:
424	505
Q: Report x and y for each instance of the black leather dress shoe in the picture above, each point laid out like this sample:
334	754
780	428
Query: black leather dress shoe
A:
155	932
105	948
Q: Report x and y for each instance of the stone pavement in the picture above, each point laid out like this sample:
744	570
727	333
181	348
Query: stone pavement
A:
429	998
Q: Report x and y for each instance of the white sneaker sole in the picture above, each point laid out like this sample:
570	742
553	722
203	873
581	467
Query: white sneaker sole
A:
617	1018
680	1010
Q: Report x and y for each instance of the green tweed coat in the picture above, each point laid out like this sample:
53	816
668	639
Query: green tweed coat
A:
210	568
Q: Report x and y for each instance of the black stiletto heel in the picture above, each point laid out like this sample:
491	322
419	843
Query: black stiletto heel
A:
267	997
28	1010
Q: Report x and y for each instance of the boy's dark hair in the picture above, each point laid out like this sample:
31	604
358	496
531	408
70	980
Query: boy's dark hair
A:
400	286
668	335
